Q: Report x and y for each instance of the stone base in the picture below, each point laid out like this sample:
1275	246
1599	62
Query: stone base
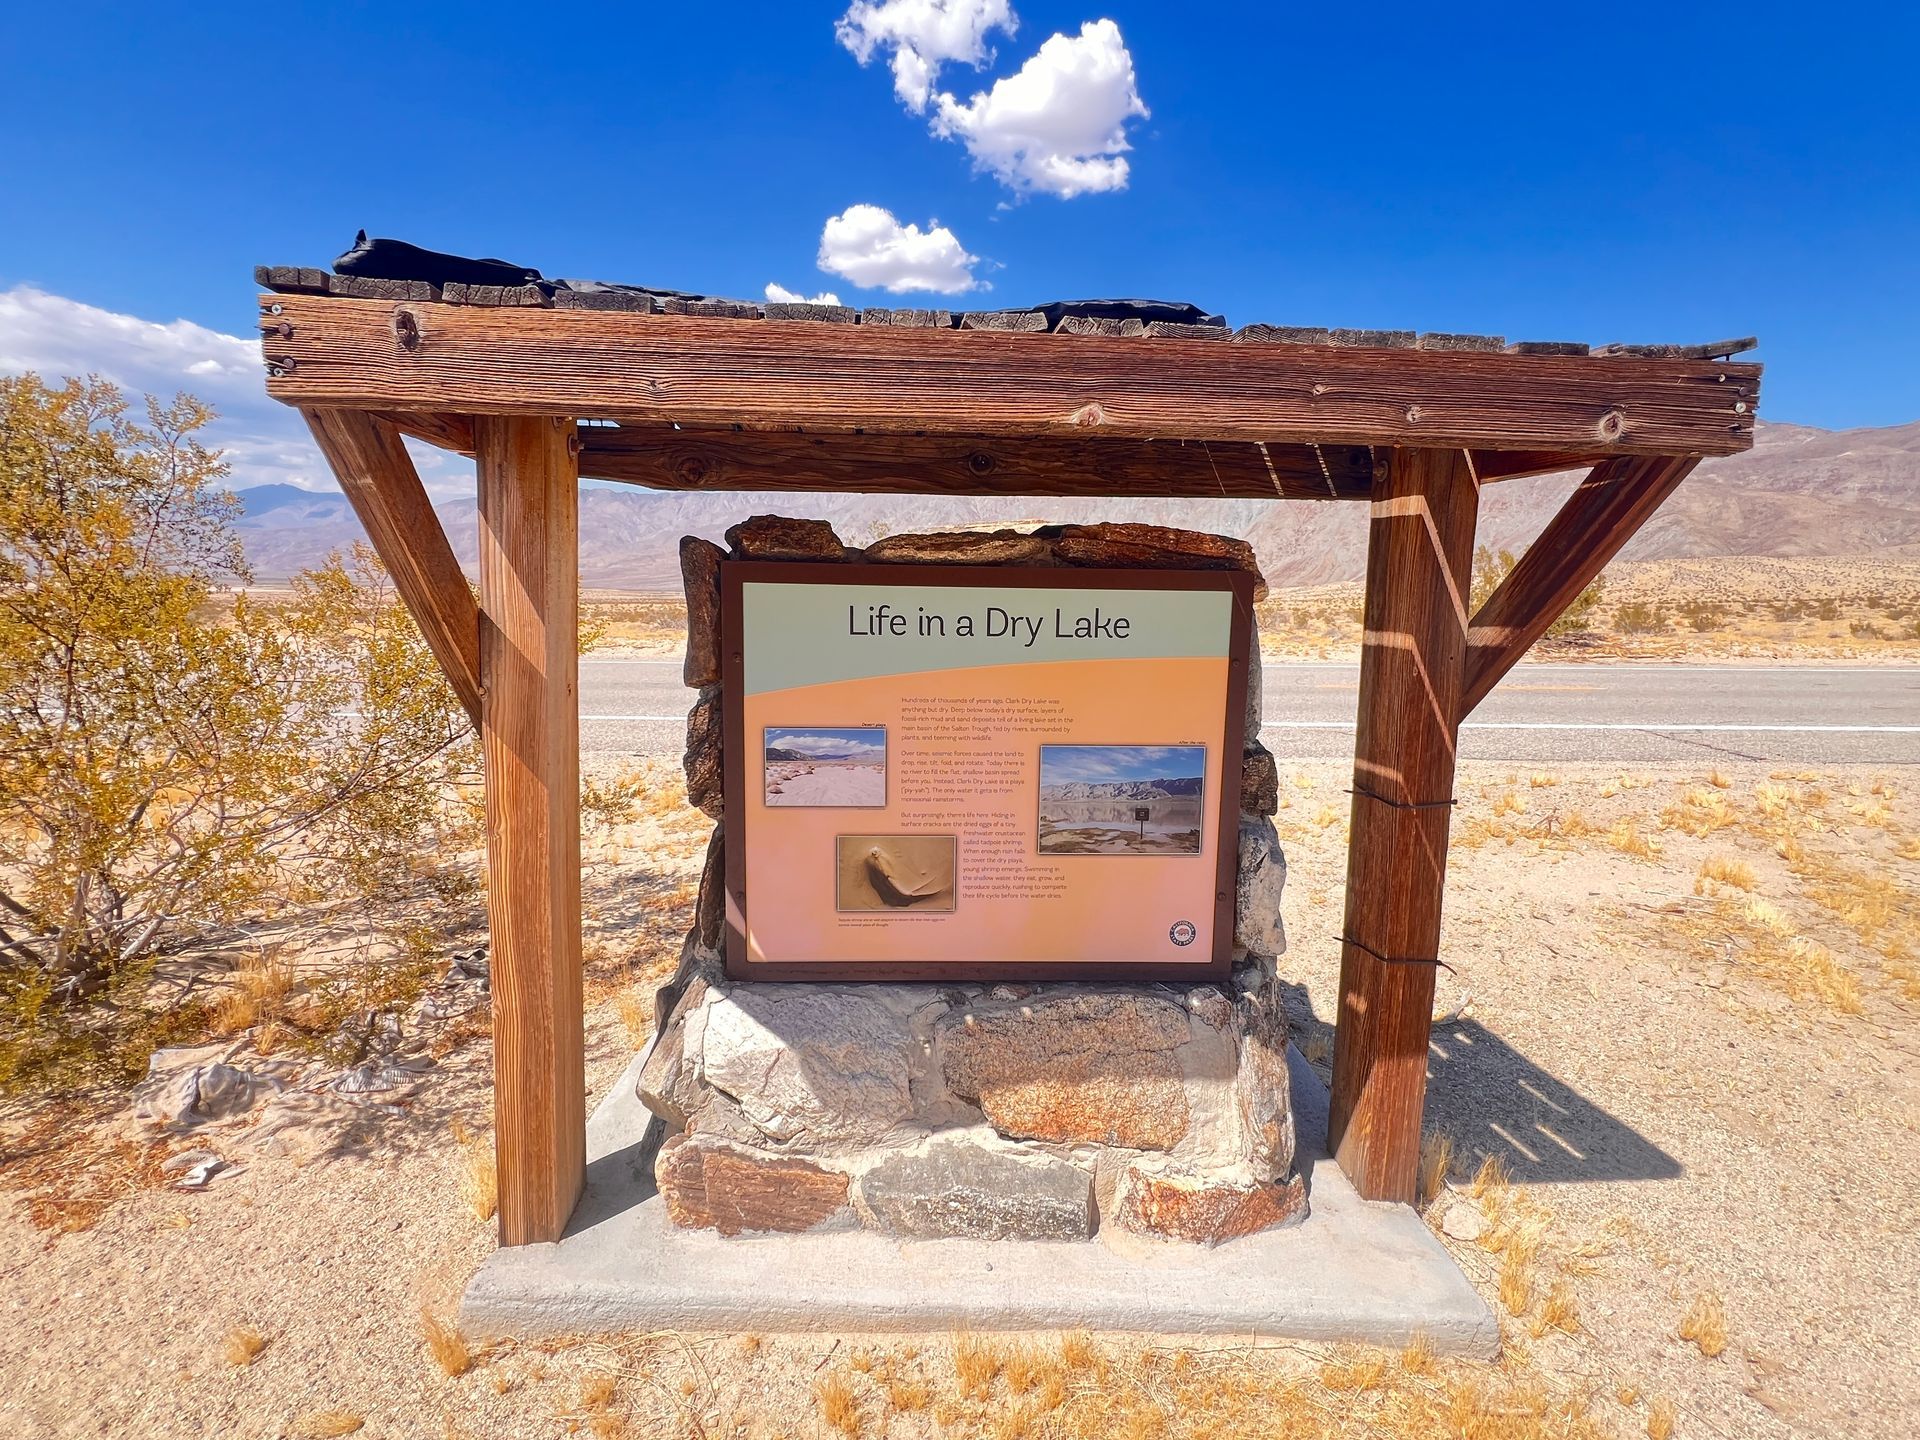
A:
1034	1112
1352	1271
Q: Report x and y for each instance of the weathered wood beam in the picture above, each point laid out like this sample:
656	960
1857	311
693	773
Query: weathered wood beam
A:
1419	574
690	370
384	489
666	457
1490	465
448	432
669	459
530	729
1609	506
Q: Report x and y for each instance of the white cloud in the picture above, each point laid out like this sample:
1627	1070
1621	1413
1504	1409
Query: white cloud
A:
923	35
265	442
1059	126
866	245
780	295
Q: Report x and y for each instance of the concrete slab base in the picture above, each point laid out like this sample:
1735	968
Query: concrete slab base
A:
1353	1270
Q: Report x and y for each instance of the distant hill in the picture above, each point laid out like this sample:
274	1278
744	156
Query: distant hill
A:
1798	492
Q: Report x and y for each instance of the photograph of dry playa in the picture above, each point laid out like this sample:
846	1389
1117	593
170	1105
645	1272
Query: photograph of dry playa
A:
1121	799
822	767
896	872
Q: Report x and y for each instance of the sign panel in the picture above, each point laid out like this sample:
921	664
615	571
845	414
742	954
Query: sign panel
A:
981	772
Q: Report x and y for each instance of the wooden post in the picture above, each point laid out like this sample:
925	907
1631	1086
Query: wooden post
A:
530	727
1419	567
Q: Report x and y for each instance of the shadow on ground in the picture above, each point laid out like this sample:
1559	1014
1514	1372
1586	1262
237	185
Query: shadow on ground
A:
1495	1101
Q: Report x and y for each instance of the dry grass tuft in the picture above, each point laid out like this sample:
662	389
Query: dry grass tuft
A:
1660	1419
839	1406
445	1344
1540	780
479	1173
1492	1175
1627	838
1516	1283
636	1018
1418	1358
1767	916
242	1345
1509	802
976	1365
1725	870
1706	1325
326	1424
1353	1368
597	1391
908	1396
261	986
1436	1165
1559	1311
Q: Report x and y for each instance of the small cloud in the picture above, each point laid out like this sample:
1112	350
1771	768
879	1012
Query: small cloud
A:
1059	126
923	35
866	245
780	295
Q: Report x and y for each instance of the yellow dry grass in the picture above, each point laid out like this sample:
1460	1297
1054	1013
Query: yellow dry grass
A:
242	1345
1560	1310
1660	1418
1629	839
636	1018
445	1344
839	1406
1725	870
258	994
479	1173
1436	1165
1705	1324
326	1424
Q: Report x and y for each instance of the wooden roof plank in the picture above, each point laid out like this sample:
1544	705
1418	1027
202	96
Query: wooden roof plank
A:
664	458
694	371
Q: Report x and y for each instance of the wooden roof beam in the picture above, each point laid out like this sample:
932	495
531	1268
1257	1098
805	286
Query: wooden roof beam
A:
383	355
384	489
1609	506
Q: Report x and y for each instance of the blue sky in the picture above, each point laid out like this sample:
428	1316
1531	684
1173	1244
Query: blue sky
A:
1099	764
863	743
1643	173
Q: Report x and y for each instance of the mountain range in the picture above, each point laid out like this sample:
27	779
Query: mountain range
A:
1799	491
1171	787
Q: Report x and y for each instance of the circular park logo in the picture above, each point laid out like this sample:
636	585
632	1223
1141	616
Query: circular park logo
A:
1183	933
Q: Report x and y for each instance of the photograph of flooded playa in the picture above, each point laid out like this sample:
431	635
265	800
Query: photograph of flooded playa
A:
1121	799
826	767
893	873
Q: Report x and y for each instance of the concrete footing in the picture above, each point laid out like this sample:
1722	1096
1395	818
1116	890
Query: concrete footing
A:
1353	1270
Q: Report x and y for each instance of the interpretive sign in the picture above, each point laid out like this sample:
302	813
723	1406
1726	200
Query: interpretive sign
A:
949	772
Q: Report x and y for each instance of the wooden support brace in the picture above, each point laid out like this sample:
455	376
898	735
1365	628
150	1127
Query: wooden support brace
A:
1419	566
384	489
530	727
1609	506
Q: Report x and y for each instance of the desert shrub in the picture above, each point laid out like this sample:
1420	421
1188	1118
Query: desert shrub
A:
1491	566
1639	618
1701	615
168	764
1828	609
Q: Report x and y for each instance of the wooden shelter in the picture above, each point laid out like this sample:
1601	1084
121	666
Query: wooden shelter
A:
543	386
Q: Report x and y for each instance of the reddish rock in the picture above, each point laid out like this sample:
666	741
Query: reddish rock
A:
1170	1204
709	911
700	570
1156	547
779	537
703	757
1074	1068
718	1185
1259	781
1002	547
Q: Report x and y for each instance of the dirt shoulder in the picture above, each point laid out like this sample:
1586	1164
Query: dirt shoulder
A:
1681	1017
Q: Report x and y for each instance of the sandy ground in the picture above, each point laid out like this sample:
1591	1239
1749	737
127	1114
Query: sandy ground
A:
1064	837
1682	1012
825	783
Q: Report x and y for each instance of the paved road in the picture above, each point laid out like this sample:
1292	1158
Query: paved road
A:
1540	714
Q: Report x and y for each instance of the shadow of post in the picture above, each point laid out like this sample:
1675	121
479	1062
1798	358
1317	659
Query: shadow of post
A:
1495	1101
